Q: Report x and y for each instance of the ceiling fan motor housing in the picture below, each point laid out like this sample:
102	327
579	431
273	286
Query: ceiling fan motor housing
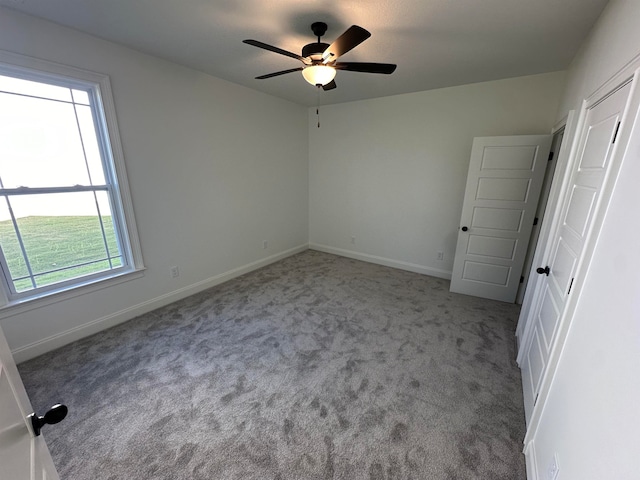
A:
314	49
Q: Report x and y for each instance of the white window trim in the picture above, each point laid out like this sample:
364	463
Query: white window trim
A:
23	66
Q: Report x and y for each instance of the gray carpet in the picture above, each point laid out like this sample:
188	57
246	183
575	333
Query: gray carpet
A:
316	367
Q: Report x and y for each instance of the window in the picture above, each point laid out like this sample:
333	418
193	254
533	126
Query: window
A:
63	222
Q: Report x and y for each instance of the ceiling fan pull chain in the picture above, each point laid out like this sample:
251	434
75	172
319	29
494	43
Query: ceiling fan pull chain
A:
318	105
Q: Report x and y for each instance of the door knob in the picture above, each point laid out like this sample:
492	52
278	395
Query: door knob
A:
464	229
54	415
544	270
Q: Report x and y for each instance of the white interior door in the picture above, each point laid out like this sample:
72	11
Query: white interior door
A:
503	186
594	151
23	456
540	212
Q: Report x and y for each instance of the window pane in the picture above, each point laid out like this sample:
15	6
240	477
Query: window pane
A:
63	230
74	272
107	222
80	96
92	151
36	89
40	144
10	245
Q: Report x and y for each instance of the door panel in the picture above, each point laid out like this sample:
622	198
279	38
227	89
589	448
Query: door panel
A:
563	265
595	146
508	158
536	360
548	317
497	218
492	246
503	185
485	272
580	207
532	369
507	189
598	144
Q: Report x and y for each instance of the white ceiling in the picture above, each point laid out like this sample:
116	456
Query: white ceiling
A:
436	43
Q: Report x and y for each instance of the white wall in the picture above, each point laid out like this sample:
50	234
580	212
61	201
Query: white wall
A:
214	169
391	172
612	43
591	417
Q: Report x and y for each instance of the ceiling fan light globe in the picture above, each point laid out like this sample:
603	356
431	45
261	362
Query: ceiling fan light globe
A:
319	74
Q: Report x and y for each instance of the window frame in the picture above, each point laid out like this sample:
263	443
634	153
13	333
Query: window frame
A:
107	133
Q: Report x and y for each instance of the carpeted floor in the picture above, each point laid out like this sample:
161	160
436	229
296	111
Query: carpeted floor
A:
316	367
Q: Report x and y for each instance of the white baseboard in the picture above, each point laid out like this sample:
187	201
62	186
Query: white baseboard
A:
387	262
58	340
531	461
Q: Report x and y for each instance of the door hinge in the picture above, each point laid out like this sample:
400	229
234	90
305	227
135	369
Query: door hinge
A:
535	221
550	156
570	285
522	279
615	135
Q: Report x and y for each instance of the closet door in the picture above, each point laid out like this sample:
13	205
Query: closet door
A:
595	147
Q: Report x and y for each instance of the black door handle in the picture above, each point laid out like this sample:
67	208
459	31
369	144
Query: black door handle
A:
464	229
54	415
546	270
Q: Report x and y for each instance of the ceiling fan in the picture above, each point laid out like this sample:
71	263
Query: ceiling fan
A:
320	59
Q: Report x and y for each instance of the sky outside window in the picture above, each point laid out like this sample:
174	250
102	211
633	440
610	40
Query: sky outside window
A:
41	144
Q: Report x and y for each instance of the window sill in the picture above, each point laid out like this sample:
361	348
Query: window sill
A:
15	307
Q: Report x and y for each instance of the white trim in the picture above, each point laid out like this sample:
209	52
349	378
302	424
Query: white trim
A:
71	74
122	180
387	262
22	305
58	340
562	124
630	72
531	461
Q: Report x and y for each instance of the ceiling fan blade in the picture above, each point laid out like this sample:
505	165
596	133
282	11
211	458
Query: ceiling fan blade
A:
350	39
282	72
329	86
271	48
366	67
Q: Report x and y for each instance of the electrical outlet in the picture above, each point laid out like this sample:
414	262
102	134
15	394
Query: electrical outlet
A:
440	256
175	272
265	244
553	469
353	240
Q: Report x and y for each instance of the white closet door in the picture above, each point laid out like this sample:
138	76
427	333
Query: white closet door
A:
595	146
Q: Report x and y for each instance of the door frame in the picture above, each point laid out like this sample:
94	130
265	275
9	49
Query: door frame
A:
630	122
